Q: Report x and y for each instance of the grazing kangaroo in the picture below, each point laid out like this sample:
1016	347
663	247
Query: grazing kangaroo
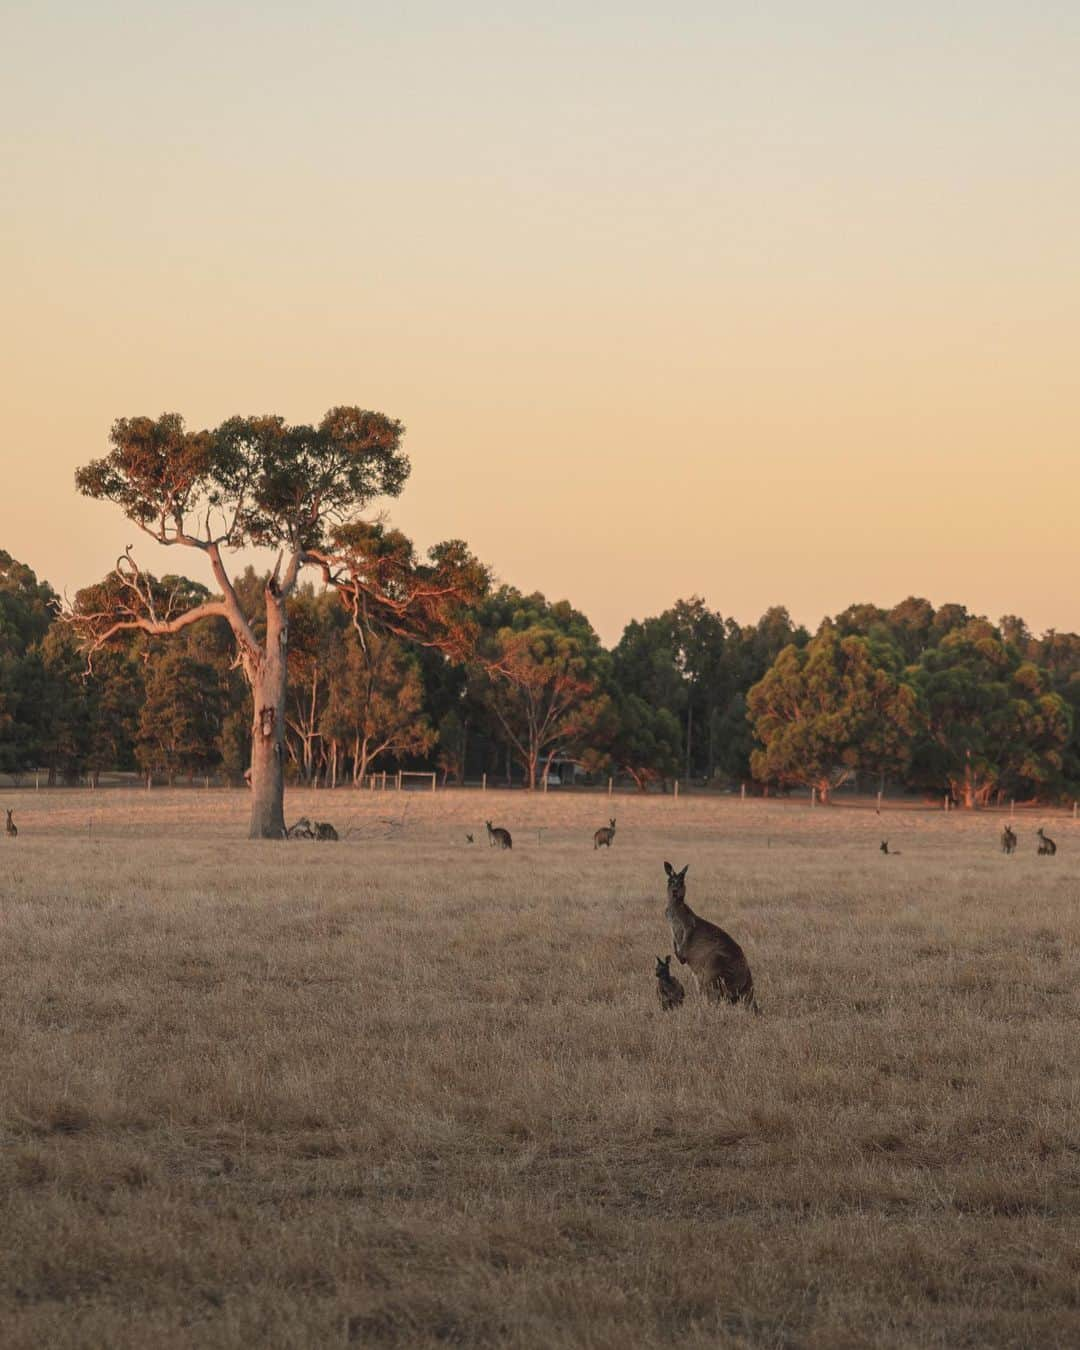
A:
1046	844
603	837
717	960
1008	840
669	990
498	836
324	830
10	828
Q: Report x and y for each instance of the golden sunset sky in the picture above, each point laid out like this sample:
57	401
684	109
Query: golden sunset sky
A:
775	303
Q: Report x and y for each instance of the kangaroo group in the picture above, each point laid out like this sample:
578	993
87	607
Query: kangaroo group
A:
1046	847
501	838
718	962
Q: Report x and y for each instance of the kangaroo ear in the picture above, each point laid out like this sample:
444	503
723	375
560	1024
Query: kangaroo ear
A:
669	869
685	870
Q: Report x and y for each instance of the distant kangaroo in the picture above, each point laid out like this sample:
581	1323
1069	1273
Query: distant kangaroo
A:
10	828
468	839
498	836
892	852
717	960
1046	844
324	830
669	990
603	837
1008	840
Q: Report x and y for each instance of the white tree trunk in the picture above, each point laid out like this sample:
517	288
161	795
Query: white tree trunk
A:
268	727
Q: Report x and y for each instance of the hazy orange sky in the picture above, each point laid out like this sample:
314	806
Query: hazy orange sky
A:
773	303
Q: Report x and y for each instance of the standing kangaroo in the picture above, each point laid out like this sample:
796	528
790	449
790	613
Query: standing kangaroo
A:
498	836
669	990
1046	844
717	960
603	837
1008	840
10	828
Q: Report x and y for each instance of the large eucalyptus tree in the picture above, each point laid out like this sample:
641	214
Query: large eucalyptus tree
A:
297	490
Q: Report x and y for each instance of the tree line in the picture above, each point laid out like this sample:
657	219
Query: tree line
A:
928	700
389	657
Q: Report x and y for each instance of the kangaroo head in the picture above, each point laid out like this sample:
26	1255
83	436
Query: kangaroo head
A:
487	823
663	967
884	846
612	825
676	883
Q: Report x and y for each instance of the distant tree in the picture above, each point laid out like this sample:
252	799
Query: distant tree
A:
910	623
858	620
452	747
256	481
945	620
116	692
828	710
316	641
679	660
538	671
65	704
181	716
1016	633
637	739
644	663
993	723
27	607
23	711
749	652
376	702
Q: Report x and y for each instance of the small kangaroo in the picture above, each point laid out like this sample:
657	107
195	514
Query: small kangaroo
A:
498	836
892	852
717	960
603	837
669	990
1008	840
10	828
469	839
324	830
1046	844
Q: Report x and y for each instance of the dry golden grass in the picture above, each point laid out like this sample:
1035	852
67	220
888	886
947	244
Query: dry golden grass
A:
403	1091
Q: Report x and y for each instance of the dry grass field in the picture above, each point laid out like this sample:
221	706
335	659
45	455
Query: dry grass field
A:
401	1091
